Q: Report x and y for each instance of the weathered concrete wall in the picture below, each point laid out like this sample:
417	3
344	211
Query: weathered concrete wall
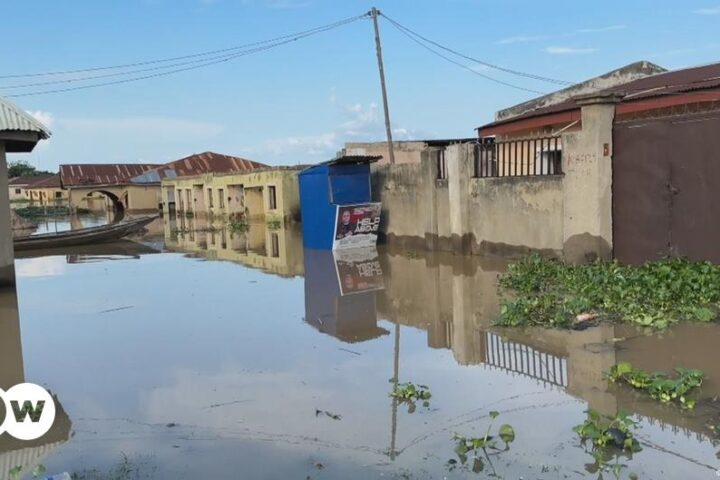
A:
516	215
7	268
466	214
587	187
142	197
246	193
405	152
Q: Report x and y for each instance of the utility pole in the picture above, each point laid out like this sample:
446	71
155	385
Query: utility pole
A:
391	150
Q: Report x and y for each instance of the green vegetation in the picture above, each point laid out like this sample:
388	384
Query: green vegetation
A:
550	293
36	212
238	226
273	223
410	393
659	385
16	472
21	168
602	431
474	446
609	438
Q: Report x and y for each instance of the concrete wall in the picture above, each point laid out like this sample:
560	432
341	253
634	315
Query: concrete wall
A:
514	215
405	152
466	214
587	187
568	214
139	198
7	268
246	194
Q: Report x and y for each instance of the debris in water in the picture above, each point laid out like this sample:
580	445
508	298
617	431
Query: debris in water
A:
334	416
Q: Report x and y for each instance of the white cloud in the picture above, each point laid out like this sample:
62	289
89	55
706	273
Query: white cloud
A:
322	144
46	118
609	28
521	39
568	50
708	11
359	122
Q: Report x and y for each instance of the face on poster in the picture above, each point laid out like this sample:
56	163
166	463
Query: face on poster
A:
357	225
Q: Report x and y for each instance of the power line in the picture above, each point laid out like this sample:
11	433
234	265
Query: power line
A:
462	65
532	76
207	62
184	57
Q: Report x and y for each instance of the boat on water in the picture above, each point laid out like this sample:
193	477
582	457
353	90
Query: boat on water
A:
83	236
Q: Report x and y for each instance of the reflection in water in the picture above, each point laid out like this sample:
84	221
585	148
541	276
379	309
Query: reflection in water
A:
18	453
221	353
340	293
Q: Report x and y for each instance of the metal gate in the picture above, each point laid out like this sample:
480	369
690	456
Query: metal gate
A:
666	188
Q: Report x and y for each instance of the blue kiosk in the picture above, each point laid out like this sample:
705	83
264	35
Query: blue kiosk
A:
336	204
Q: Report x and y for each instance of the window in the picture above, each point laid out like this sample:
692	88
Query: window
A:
58	194
548	162
188	197
441	165
221	198
180	199
210	198
274	245
272	198
18	191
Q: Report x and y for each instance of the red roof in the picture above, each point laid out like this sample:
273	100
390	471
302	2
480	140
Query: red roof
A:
27	180
49	182
209	162
75	175
689	80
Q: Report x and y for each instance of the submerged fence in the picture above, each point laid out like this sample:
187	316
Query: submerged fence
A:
518	158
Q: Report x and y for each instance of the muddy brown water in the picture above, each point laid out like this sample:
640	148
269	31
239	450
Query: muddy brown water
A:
198	353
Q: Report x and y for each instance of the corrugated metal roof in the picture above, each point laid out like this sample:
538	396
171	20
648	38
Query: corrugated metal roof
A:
52	181
668	83
27	180
73	175
13	118
197	164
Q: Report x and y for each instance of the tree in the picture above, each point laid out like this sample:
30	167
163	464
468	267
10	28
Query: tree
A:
21	168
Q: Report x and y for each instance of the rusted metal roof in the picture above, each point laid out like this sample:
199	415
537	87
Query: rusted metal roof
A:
13	118
198	164
662	84
27	180
74	175
52	181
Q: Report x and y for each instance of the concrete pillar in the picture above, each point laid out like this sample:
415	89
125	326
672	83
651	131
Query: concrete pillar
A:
587	187
460	169
7	267
429	194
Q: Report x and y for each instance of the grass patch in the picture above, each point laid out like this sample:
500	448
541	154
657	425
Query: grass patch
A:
656	294
659	385
36	212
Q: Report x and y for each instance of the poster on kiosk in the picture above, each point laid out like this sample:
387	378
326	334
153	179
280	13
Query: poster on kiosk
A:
356	226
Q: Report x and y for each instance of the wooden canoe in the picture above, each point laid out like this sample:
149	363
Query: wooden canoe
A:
83	236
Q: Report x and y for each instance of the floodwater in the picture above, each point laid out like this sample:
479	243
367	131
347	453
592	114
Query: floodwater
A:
61	223
196	353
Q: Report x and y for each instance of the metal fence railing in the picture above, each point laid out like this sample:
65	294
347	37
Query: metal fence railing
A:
518	158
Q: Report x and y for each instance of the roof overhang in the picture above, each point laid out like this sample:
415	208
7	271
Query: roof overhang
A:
510	126
19	141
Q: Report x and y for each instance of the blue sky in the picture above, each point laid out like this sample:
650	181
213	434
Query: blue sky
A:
299	102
